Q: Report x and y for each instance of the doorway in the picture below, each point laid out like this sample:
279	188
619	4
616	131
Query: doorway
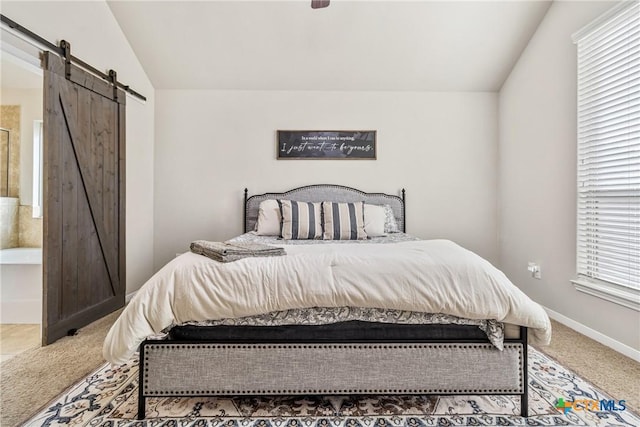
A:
77	152
21	240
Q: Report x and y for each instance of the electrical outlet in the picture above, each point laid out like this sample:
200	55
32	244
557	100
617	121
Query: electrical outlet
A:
534	269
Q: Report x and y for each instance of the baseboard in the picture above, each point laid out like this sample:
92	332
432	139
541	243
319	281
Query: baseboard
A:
595	335
128	297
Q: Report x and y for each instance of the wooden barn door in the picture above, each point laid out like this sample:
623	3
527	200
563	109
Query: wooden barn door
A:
84	198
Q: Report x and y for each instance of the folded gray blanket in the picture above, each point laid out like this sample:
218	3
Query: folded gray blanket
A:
228	252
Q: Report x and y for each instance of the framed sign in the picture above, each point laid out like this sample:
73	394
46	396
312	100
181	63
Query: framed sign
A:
327	144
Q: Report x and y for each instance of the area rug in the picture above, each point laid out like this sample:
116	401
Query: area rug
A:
557	397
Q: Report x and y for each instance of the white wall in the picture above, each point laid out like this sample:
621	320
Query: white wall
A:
210	145
537	182
30	102
21	300
97	39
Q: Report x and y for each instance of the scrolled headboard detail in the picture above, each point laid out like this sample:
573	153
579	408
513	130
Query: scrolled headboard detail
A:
325	192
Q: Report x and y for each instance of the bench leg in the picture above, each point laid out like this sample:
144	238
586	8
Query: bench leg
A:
524	405
141	408
524	398
141	399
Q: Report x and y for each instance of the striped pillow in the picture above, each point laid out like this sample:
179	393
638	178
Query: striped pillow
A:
300	220
343	221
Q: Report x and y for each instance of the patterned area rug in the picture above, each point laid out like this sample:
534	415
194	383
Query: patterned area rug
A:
557	397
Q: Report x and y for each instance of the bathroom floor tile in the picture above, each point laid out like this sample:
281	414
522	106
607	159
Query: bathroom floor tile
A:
16	338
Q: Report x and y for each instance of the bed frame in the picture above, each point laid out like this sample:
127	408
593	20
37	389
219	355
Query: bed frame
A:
277	367
321	192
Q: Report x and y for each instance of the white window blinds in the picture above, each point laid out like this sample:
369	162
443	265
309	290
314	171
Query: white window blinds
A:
608	241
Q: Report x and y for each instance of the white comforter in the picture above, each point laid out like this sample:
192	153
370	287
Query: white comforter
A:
434	276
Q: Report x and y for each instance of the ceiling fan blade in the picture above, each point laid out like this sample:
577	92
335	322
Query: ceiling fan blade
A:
318	4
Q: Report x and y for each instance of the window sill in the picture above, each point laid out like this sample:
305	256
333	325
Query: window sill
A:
621	295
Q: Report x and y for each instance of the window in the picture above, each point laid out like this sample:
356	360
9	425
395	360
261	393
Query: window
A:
608	233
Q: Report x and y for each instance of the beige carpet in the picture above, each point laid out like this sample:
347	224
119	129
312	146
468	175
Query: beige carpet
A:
31	380
603	367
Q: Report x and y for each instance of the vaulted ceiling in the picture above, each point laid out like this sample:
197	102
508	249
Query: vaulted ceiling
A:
351	45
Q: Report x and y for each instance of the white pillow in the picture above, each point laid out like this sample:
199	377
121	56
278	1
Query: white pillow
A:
269	218
374	220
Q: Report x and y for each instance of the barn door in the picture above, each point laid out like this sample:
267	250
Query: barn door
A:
84	198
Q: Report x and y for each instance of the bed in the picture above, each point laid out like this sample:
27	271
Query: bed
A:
380	315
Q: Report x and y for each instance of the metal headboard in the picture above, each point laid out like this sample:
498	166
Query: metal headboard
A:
325	192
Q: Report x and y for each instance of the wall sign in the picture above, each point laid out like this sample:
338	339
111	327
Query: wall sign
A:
327	144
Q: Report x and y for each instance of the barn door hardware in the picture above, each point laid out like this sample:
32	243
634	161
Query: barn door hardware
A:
64	50
113	78
66	54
